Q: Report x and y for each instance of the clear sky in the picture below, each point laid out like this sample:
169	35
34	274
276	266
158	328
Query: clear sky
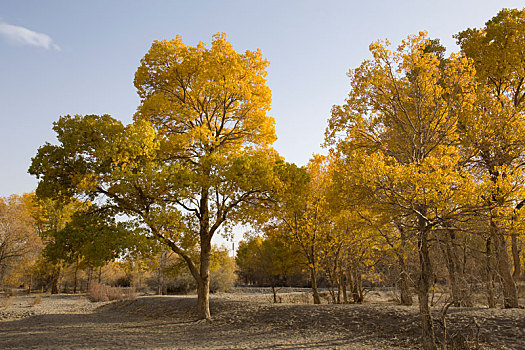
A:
79	57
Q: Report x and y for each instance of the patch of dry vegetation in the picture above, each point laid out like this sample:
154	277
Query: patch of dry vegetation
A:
100	292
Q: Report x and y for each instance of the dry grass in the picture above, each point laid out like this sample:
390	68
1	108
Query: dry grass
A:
35	301
101	292
6	302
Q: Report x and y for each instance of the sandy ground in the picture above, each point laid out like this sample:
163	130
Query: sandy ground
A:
240	321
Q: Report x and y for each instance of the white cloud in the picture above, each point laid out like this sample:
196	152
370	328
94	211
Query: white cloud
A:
17	35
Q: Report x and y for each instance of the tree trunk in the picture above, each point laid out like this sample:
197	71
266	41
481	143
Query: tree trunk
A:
423	287
339	287
455	277
359	286
516	274
75	283
355	284
491	300
203	284
274	291
30	283
54	285
510	293
313	275
331	287
403	282
54	280
343	286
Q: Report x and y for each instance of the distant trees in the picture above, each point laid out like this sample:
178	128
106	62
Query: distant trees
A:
19	242
269	261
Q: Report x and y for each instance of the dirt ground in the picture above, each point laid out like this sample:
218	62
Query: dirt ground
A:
240	321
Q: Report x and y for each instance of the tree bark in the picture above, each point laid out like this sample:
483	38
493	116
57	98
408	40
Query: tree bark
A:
355	284
516	273
274	291
55	277
403	282
510	293
315	292
203	278
423	287
455	273
75	285
339	286
451	267
203	284
343	286
491	300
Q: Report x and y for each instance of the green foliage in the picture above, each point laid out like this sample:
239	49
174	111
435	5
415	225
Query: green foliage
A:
90	239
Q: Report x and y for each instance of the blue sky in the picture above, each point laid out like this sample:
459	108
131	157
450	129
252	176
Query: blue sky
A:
79	57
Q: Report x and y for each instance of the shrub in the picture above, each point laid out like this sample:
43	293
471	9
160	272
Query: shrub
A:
100	292
223	279
122	281
6	302
35	301
184	283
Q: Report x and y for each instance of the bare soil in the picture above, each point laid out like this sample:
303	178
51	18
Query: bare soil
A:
240	321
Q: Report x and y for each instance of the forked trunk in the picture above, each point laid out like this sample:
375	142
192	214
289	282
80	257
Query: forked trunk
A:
356	284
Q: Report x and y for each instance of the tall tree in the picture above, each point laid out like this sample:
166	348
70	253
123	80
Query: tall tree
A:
496	136
302	212
398	128
196	160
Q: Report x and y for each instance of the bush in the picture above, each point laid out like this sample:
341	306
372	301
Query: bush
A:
184	283
100	292
223	279
122	281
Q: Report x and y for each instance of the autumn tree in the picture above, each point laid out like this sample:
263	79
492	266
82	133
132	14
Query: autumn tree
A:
88	240
195	161
19	242
301	211
398	128
495	136
49	218
268	260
